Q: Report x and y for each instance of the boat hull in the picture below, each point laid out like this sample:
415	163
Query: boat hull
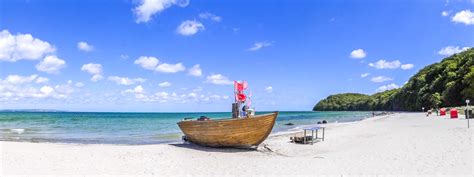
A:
239	132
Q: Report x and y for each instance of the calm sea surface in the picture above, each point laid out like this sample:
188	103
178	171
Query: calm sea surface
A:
130	128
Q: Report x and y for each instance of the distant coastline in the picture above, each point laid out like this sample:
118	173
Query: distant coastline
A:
32	110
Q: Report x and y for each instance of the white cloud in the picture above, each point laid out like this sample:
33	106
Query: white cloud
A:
465	16
164	84
358	53
236	30
51	64
387	87
47	90
16	79
269	89
147	62
444	13
94	69
15	87
218	79
137	89
161	96
124	56
259	45
365	75
195	71
148	8
170	68
407	66
139	93
125	80
84	46
381	79
450	50
197	89
41	80
22	47
207	15
189	27
79	84
382	64
96	77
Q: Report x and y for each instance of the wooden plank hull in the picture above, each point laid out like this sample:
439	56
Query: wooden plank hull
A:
240	132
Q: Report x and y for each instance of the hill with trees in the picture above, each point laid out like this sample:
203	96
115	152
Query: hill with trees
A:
445	84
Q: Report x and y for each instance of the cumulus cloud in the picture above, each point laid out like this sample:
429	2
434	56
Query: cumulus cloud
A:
365	75
22	47
269	89
451	50
387	87
147	62
84	46
164	84
96	78
218	79
444	13
17	79
381	79
465	16
189	27
162	96
195	71
383	64
139	93
94	69
146	9
41	80
358	54
16	87
51	64
151	63
170	68
125	80
407	66
210	16
259	45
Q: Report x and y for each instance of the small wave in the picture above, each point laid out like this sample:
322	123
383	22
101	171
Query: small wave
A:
17	130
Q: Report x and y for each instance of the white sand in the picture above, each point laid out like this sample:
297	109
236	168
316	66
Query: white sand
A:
399	144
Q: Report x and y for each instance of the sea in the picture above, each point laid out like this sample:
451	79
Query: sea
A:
134	128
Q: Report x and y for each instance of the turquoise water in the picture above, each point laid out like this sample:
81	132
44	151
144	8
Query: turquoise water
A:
130	128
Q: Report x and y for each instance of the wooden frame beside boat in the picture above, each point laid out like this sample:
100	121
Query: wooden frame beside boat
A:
238	132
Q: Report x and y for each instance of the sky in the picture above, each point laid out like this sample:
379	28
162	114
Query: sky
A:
183	55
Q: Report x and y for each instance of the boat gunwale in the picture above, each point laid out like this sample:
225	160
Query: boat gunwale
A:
230	119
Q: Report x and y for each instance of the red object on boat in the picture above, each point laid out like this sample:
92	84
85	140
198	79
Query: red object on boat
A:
240	86
241	97
454	113
442	112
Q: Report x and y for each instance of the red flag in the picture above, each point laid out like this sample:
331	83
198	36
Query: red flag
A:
240	86
241	97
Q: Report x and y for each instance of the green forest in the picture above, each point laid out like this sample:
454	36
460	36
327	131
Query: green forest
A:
445	84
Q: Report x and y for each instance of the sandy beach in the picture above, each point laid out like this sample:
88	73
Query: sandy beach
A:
399	144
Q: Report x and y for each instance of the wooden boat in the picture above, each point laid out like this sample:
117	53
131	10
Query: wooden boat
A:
237	132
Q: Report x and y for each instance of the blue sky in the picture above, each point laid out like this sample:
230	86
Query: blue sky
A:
178	55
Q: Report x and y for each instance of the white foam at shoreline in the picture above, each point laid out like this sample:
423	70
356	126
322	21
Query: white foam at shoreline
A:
17	130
